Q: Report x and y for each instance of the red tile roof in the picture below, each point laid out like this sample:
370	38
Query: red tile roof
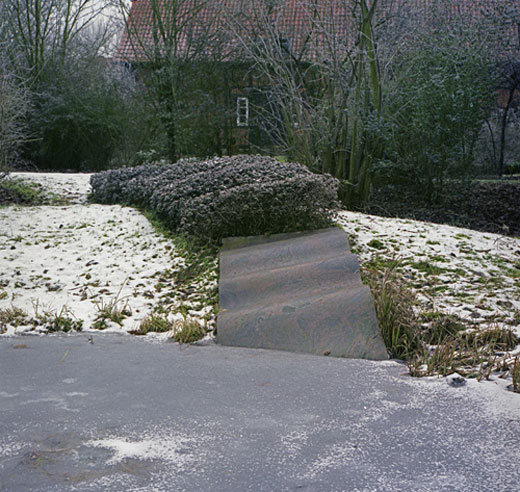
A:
217	22
214	26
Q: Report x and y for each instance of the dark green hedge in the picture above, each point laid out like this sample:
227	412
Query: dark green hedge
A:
227	196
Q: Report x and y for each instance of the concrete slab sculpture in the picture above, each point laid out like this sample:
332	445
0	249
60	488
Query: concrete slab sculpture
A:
300	292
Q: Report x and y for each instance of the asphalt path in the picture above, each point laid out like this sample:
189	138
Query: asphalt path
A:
124	414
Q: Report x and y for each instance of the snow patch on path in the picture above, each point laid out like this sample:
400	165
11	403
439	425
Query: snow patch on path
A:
169	449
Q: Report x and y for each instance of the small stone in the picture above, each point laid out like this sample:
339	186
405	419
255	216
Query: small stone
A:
456	380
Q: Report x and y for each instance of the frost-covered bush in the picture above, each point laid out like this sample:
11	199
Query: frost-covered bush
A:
226	196
218	175
113	186
283	205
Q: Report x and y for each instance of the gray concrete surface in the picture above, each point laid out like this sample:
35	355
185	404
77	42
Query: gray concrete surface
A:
300	292
219	418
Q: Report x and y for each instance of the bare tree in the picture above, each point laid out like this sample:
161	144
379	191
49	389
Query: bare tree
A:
342	95
39	31
323	88
180	50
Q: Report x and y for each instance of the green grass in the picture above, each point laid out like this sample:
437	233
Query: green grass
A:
428	268
375	244
22	192
200	260
153	323
439	259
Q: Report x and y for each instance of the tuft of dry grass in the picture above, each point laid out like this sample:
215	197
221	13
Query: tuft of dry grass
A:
188	331
51	321
12	316
62	321
515	374
116	310
395	312
153	323
440	360
185	330
432	342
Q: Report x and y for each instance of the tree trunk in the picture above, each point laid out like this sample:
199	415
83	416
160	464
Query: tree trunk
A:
503	128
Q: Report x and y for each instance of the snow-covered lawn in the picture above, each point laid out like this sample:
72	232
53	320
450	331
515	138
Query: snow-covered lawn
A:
471	274
76	260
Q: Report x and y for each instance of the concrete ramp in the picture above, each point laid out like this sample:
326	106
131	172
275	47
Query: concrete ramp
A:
300	292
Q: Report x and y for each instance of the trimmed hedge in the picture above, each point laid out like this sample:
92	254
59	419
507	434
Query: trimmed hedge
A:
226	196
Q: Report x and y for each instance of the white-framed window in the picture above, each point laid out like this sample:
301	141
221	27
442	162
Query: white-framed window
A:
242	111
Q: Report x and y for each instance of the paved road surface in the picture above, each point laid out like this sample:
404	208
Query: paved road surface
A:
123	414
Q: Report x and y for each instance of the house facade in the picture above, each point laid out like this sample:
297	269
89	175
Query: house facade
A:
223	35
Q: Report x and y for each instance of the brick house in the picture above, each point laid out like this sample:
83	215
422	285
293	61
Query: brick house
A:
216	30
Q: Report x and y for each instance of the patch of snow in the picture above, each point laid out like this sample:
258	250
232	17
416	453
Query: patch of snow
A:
75	187
295	441
10	449
495	397
76	260
170	449
5	394
333	457
476	276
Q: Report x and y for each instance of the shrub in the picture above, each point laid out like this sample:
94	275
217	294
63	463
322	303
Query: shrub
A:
87	129
263	208
437	110
239	195
14	105
21	192
112	186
